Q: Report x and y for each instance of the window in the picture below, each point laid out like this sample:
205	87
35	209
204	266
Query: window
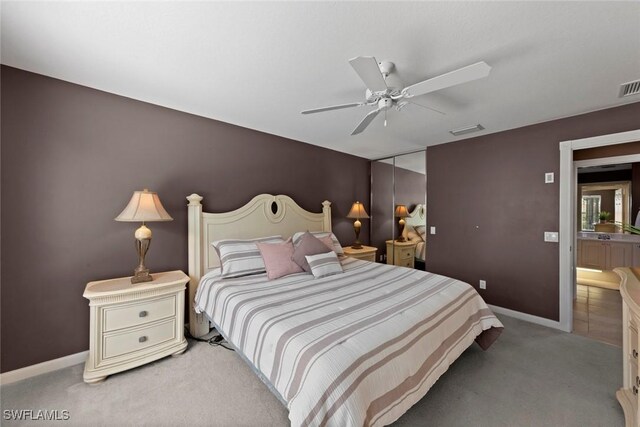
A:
590	212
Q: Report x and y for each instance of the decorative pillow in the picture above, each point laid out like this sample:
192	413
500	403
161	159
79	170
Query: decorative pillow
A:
337	247
308	244
422	231
327	241
323	265
242	257
277	259
413	236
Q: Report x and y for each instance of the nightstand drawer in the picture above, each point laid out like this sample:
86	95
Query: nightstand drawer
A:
121	343
405	263
139	313
404	253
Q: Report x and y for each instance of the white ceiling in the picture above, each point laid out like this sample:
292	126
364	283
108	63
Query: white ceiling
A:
259	64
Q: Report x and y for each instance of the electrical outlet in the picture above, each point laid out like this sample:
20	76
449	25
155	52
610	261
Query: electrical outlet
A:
483	284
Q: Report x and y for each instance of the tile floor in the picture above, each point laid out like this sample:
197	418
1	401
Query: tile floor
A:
597	314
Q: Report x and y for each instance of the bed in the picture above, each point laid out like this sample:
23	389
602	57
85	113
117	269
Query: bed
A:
357	348
415	230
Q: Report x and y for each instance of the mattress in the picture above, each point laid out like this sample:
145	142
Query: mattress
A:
358	348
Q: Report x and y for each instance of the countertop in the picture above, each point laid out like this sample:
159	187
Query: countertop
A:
613	237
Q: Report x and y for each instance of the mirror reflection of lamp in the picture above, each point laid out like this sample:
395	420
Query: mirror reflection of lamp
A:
357	212
401	212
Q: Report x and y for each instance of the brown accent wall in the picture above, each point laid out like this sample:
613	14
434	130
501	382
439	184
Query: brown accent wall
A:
607	151
491	207
71	158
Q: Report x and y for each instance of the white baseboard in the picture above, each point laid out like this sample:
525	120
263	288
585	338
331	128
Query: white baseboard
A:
527	317
43	368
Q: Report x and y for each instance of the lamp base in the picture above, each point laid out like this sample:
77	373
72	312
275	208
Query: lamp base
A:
356	245
141	273
401	239
140	276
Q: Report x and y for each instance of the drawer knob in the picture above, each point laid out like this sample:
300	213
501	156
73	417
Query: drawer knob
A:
634	353
143	313
142	339
638	381
635	390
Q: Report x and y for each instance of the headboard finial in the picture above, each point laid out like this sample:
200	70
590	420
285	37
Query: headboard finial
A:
194	199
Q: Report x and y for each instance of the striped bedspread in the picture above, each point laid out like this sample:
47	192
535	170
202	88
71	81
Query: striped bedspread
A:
354	349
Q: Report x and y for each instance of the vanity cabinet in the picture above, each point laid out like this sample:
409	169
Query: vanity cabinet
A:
607	255
635	255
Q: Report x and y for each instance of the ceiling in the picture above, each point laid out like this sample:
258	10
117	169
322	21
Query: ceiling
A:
258	65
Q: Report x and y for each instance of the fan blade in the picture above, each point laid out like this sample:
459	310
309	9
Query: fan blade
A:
334	107
452	78
428	108
365	122
367	69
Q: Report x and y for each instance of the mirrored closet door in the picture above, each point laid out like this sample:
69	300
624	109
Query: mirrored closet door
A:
398	205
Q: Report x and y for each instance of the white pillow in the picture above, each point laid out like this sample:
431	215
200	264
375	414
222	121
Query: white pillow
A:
422	231
242	257
323	265
337	247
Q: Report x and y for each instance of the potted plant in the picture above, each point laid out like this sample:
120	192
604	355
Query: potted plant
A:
604	216
629	228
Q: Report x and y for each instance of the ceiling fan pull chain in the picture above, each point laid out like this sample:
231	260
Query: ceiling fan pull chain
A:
385	118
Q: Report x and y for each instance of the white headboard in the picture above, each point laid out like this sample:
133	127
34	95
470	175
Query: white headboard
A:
418	216
264	215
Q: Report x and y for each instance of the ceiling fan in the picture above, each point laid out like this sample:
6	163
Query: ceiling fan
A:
385	90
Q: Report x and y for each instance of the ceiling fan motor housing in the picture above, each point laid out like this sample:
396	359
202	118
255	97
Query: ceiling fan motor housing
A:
385	103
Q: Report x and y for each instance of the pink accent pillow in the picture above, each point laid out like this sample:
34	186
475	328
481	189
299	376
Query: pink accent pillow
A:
327	241
277	259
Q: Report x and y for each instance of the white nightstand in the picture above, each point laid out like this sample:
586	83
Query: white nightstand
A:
134	324
401	253
367	253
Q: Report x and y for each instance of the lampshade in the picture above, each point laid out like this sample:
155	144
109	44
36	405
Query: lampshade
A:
144	206
357	211
401	211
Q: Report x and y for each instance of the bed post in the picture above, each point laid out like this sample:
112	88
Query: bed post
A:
198	324
326	210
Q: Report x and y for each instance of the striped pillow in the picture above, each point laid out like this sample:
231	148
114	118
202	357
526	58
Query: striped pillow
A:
242	257
337	247
323	265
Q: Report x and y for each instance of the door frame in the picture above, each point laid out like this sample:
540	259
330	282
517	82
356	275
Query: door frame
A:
567	230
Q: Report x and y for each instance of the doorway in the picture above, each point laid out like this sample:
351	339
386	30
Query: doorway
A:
603	203
568	213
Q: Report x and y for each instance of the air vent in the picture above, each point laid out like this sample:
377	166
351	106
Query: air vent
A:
458	132
628	89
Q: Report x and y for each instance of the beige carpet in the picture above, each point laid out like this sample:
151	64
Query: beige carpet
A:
532	376
605	279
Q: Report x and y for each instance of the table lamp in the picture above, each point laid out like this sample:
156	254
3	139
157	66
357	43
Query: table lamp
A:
402	213
144	206
357	211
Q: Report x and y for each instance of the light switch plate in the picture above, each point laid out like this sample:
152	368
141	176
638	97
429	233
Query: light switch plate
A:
550	236
548	178
433	230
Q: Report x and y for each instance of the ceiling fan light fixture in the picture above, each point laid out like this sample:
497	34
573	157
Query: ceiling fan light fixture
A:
468	129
